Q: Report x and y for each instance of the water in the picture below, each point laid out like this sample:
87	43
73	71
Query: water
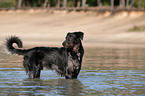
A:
105	71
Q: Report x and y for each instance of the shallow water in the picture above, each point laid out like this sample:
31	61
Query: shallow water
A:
105	71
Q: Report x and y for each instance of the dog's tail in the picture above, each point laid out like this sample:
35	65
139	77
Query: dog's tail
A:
9	46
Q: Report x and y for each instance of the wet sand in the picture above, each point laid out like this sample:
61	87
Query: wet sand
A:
48	28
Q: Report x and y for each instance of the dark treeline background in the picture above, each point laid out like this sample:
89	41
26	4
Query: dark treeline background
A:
70	3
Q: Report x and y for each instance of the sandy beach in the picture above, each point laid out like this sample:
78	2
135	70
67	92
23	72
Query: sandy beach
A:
49	28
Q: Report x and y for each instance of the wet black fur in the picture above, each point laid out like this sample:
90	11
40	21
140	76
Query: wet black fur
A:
66	61
75	53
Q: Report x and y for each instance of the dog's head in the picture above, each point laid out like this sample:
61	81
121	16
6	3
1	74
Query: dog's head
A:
32	64
73	40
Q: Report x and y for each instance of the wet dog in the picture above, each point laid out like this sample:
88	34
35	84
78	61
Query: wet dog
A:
73	43
66	61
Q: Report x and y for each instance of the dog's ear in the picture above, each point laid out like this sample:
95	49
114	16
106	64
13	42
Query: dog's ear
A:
79	35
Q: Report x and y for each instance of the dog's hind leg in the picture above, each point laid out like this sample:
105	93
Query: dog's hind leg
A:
32	64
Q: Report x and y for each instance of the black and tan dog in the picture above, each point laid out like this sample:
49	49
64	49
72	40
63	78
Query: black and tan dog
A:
66	61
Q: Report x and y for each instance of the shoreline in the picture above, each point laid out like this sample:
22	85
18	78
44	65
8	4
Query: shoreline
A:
49	28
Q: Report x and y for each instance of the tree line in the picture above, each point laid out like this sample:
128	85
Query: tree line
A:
72	3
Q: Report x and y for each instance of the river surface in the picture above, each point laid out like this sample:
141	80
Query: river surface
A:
105	71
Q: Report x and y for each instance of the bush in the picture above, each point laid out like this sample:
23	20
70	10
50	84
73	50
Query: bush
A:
7	3
137	4
137	29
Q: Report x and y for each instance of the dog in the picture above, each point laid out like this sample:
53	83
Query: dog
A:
73	43
66	60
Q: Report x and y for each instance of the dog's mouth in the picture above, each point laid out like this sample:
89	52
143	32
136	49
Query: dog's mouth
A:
68	45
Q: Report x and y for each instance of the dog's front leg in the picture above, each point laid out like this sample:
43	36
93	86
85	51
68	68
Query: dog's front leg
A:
68	74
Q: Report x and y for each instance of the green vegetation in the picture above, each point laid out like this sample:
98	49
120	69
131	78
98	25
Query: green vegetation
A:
137	29
137	4
104	2
7	3
70	3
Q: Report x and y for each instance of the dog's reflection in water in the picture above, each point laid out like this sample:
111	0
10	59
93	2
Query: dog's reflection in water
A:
70	87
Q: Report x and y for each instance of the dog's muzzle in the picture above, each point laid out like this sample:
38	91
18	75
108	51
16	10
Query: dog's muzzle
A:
67	44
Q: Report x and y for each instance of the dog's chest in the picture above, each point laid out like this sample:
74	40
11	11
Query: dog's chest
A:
73	62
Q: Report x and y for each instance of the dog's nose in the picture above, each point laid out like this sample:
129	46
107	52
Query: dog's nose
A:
63	43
